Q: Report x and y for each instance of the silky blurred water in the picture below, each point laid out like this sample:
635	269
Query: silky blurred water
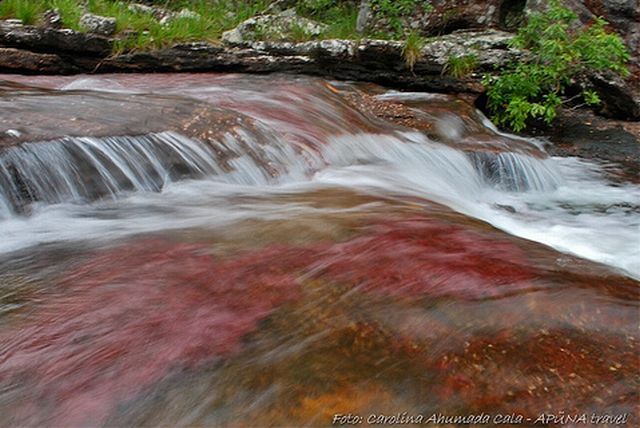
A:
286	257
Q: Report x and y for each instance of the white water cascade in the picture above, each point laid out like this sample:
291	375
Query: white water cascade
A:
564	203
301	137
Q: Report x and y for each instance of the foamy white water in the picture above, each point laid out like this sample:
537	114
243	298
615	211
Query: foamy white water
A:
565	203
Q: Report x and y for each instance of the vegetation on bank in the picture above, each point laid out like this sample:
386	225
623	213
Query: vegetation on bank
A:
559	57
137	29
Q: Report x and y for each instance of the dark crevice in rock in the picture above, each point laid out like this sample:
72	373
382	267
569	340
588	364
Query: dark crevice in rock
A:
512	14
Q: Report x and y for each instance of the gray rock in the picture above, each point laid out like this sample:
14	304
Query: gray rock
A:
452	15
272	27
627	8
101	25
52	19
183	14
364	14
12	22
49	40
618	100
377	61
140	8
279	6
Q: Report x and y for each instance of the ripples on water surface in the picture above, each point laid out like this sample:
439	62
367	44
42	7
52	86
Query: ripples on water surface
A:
254	251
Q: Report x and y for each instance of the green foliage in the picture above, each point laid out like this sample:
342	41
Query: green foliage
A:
591	97
412	49
558	55
317	8
460	66
28	12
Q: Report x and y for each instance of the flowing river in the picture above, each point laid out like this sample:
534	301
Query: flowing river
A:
218	249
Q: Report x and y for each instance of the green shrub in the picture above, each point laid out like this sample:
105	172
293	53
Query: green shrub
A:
557	55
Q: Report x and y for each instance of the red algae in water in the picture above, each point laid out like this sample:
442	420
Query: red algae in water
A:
423	257
127	318
131	315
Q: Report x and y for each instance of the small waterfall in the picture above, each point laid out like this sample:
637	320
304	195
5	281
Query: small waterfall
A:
516	172
80	169
440	167
85	168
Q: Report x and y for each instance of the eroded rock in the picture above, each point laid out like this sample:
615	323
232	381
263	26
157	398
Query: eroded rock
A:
102	25
51	40
377	61
618	100
285	25
21	61
52	19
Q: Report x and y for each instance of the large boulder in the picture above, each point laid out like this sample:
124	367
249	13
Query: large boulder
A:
102	25
451	15
619	100
285	25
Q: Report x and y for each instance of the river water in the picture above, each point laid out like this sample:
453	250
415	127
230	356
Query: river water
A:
216	249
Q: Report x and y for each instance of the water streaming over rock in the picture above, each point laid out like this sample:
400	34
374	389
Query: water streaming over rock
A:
274	252
77	169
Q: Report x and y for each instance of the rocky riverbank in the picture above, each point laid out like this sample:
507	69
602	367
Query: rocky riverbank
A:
36	50
33	50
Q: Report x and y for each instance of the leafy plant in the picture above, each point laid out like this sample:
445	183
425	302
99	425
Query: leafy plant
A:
557	55
412	49
460	66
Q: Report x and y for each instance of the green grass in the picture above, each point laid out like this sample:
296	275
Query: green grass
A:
137	30
142	29
340	17
412	49
460	66
27	11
